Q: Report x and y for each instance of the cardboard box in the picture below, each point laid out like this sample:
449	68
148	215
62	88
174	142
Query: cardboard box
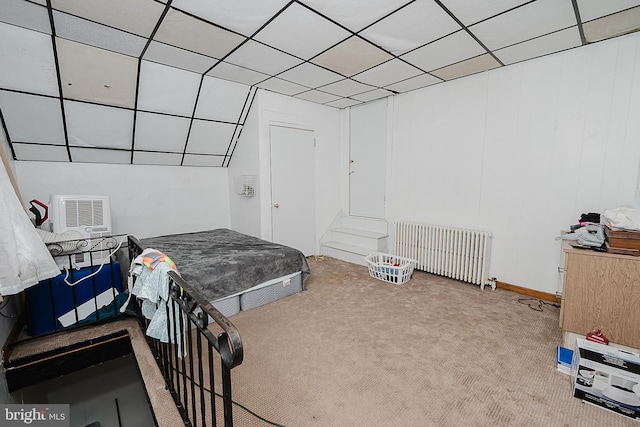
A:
608	377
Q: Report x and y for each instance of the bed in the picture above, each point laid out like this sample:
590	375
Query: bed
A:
232	270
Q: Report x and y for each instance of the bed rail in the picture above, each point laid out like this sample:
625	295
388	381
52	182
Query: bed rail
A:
188	366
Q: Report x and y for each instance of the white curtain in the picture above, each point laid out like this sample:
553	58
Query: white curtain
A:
24	258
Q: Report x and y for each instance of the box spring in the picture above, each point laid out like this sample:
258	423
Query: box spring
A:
259	295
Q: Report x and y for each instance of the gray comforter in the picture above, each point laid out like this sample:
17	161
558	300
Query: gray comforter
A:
222	262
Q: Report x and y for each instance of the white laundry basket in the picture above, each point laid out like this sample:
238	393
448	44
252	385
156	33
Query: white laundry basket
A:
390	268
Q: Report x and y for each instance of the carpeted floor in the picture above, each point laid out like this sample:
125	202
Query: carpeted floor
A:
356	351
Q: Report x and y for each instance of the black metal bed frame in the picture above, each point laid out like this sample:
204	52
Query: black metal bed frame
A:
188	363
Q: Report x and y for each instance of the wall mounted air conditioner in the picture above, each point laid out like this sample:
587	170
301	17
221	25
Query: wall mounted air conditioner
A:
90	218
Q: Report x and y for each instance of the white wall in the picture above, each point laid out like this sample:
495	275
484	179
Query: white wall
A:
145	200
245	211
522	151
329	165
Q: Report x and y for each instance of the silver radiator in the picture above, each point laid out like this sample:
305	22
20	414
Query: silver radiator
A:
458	253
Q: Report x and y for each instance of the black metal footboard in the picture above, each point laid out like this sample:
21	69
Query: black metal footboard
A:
188	362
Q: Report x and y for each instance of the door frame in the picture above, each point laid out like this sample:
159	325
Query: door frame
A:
284	120
388	194
315	245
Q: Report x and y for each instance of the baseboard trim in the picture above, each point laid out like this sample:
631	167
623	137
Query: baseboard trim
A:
529	292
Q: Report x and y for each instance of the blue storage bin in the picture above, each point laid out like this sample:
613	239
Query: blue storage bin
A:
52	298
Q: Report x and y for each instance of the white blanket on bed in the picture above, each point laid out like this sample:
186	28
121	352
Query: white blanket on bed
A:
25	258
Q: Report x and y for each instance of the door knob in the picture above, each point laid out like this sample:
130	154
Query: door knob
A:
276	205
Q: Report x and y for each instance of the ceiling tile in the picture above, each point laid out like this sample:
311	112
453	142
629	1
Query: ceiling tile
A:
612	25
470	12
135	16
20	111
412	26
258	57
87	32
209	137
243	17
182	30
27	61
317	96
92	74
180	58
284	87
237	74
524	23
448	50
465	68
36	152
221	100
371	95
551	43
351	57
390	72
343	103
346	87
167	90
356	14
159	132
166	159
97	155
201	160
414	83
592	9
98	126
310	75
301	32
25	14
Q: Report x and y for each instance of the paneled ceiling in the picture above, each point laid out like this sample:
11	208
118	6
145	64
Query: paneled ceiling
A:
171	82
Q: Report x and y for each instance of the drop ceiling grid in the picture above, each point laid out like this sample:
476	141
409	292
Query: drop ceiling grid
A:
524	23
160	133
593	9
25	14
308	33
182	30
172	56
92	74
212	91
149	66
91	33
412	26
28	63
310	75
98	126
134	16
19	109
243	17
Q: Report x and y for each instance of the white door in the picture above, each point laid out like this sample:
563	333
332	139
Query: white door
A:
293	188
368	160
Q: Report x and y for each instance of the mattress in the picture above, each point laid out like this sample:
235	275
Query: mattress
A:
232	270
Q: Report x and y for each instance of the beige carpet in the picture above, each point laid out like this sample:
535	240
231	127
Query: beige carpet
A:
356	351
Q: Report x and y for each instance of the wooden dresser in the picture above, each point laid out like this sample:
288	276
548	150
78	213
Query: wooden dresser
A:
601	291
